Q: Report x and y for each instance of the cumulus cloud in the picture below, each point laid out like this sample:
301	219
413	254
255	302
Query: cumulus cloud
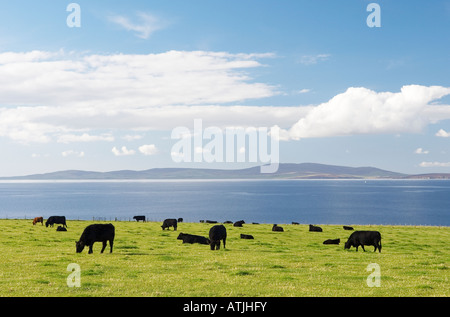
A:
148	149
443	134
364	111
123	151
57	93
85	137
72	153
421	151
435	164
65	97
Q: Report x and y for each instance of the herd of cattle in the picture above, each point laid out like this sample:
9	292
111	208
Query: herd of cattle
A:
217	234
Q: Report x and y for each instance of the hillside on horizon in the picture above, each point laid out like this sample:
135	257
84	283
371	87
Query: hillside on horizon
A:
285	171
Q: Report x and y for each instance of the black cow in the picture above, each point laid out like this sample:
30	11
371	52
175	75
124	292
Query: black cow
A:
190	238
348	228
217	233
277	228
169	223
139	218
332	241
96	233
61	228
362	238
247	236
295	223
180	219
315	228
211	221
56	219
238	223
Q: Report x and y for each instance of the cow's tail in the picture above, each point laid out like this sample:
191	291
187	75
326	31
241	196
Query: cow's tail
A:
379	245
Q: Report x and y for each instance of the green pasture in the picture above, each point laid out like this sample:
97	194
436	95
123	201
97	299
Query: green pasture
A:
147	261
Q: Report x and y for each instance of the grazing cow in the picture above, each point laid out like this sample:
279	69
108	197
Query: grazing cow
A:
247	236
96	233
362	238
139	218
190	238
332	241
211	221
277	228
217	233
38	219
56	219
315	228
169	223
228	221
61	228
295	223
238	223
348	228
180	220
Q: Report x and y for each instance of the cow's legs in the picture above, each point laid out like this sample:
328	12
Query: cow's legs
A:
111	245
90	248
104	246
363	248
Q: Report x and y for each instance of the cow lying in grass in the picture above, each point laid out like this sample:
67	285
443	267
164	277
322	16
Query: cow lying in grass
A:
190	238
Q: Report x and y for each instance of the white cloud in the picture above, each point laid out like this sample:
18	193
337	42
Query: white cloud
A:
85	137
435	164
146	25
134	137
72	153
67	93
313	59
148	149
123	151
443	134
303	91
364	111
421	151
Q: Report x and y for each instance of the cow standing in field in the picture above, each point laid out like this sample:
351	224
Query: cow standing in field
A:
217	233
170	223
96	233
362	238
56	219
38	219
139	218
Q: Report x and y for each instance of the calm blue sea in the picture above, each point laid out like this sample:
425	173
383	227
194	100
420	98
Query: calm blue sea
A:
395	202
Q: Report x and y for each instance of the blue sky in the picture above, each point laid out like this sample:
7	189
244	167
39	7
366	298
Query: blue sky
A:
107	95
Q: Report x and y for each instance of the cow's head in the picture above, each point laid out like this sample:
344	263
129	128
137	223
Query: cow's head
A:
79	246
348	244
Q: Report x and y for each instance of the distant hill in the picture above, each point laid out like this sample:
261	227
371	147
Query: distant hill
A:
285	171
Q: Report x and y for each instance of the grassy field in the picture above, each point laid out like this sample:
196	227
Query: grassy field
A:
415	261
